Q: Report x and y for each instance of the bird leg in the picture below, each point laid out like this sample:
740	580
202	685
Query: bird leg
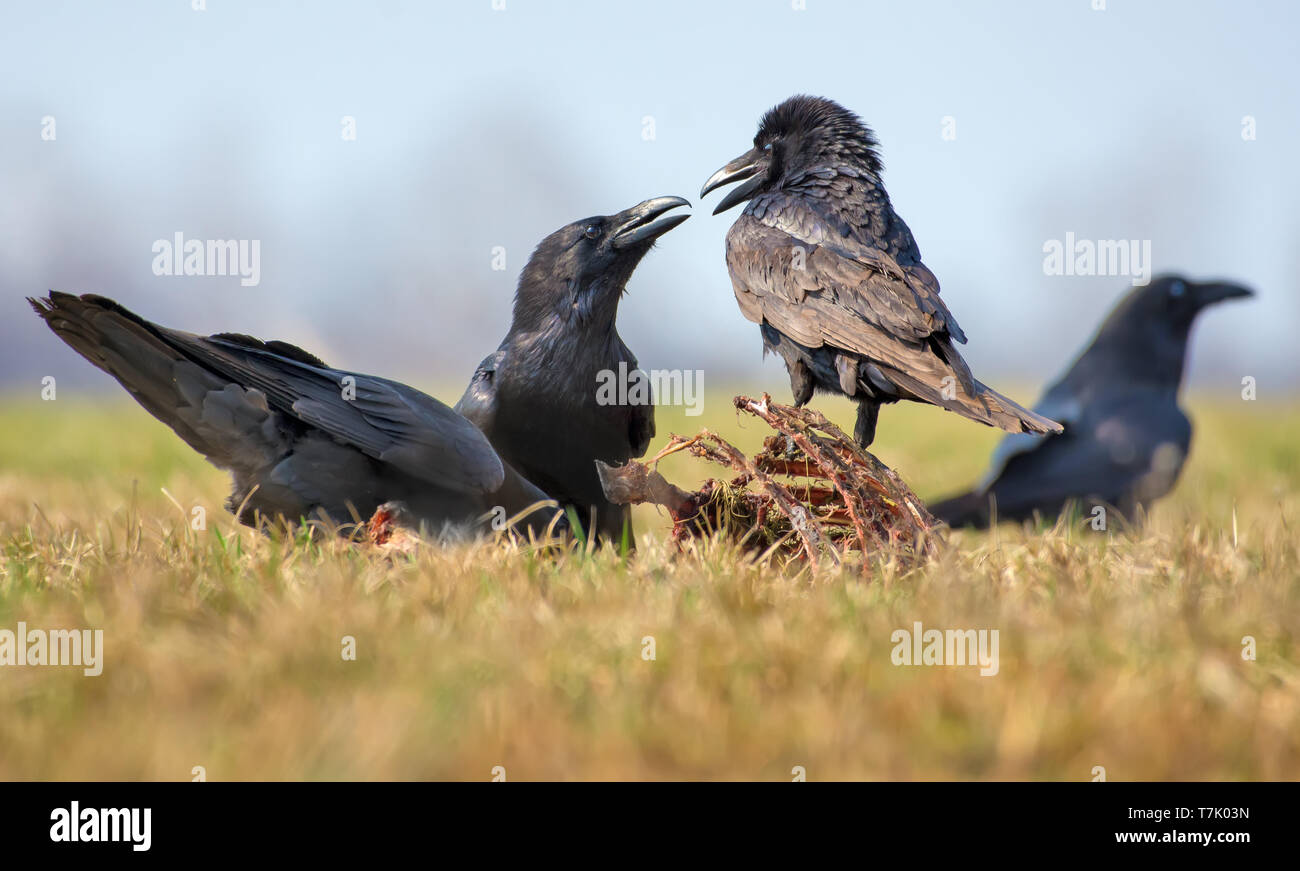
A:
864	432
801	382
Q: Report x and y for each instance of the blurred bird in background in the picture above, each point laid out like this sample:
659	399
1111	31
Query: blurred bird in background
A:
1125	437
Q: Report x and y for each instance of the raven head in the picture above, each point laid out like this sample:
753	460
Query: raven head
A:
583	269
1173	302
801	134
1145	337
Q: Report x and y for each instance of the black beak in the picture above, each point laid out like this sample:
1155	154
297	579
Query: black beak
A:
1219	291
638	223
749	165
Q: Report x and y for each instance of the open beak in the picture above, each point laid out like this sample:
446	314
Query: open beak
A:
1219	291
749	165
638	223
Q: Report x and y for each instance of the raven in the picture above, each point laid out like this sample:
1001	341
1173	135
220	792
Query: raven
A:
301	440
834	278
536	397
1125	436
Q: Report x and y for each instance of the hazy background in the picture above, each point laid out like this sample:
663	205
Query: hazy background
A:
478	128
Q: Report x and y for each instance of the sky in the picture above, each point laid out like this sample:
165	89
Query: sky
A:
479	130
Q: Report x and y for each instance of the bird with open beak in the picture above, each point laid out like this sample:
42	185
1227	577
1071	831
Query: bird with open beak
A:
832	276
537	399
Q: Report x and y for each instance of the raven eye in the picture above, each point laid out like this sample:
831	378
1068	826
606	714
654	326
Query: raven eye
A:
591	232
767	147
1177	289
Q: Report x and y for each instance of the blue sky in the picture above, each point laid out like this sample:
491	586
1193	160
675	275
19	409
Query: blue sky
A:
479	128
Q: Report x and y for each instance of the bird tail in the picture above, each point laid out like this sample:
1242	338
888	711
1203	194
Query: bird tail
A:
1010	415
158	375
115	340
968	509
974	400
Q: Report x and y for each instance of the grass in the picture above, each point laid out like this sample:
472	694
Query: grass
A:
223	648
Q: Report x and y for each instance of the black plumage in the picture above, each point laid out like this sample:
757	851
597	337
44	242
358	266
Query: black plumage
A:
536	397
1125	438
300	439
833	276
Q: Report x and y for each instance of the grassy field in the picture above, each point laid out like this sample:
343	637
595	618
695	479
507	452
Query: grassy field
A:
223	649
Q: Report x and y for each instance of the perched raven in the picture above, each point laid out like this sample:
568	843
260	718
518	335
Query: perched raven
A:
536	398
834	278
1125	436
300	439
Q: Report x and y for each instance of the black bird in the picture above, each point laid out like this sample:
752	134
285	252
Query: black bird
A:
1125	437
834	278
536	398
301	440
